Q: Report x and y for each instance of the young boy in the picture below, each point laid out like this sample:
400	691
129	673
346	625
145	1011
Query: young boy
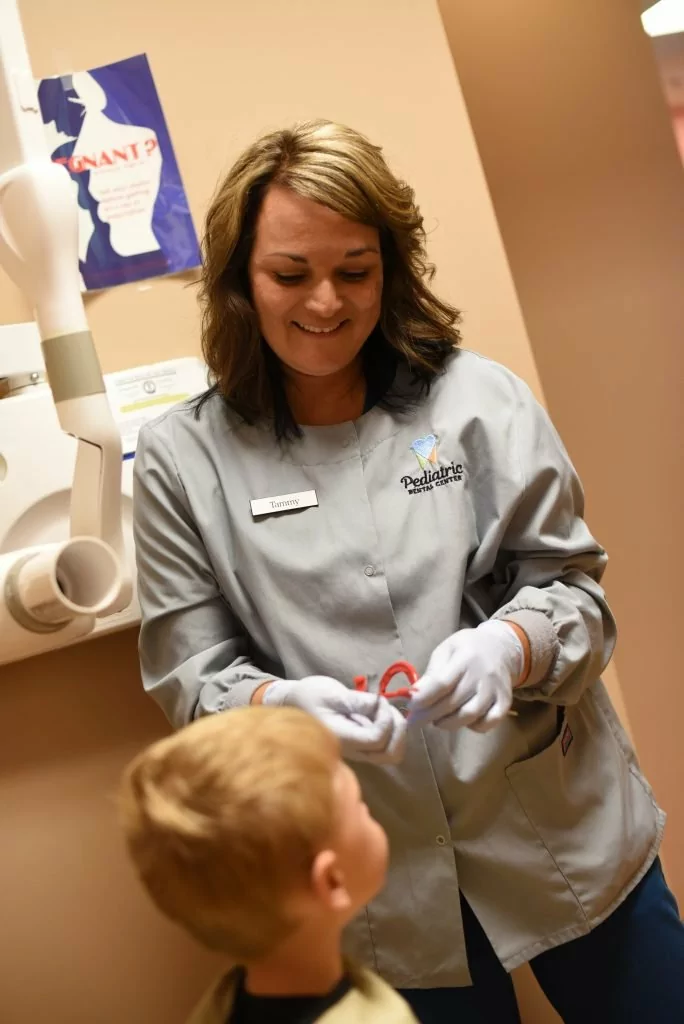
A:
248	830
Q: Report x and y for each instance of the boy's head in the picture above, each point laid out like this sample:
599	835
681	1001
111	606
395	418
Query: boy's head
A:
246	826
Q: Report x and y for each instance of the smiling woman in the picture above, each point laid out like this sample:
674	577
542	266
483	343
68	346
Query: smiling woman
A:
354	491
315	281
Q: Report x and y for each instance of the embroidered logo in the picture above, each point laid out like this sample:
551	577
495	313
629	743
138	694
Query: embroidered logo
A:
566	739
425	450
433	475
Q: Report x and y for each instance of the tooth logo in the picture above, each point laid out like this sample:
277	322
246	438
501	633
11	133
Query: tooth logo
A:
425	450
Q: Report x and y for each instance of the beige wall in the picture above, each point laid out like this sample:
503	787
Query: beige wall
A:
78	942
583	169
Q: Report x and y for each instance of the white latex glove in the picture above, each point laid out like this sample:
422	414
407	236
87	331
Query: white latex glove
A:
469	679
367	726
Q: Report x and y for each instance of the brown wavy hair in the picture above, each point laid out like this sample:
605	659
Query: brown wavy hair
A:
341	169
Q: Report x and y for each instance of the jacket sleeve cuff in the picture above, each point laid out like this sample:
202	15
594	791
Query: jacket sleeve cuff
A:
245	681
544	643
240	694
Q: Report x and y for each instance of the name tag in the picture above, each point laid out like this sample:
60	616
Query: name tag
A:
283	503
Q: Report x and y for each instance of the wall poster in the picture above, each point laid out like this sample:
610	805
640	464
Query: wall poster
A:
107	127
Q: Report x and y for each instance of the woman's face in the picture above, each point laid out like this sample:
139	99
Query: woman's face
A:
316	281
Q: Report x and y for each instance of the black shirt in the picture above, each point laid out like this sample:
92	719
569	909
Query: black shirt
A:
251	1009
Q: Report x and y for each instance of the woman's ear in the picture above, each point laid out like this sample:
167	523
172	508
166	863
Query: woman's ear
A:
328	882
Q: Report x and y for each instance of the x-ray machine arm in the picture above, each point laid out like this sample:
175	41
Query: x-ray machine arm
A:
48	587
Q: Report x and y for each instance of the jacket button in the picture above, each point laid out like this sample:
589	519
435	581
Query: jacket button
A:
369	570
441	841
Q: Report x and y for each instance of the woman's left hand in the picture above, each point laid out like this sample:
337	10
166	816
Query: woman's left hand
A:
470	678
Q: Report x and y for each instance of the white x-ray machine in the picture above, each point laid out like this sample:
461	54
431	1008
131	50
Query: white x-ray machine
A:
63	586
52	592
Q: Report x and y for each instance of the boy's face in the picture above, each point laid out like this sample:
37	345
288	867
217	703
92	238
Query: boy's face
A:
361	846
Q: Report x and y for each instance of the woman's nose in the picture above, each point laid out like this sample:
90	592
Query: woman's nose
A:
323	300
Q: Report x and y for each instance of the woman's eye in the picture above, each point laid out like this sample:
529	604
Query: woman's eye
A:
346	275
289	279
354	275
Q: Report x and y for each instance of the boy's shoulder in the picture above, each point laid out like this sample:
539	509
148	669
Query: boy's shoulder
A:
218	1001
370	1000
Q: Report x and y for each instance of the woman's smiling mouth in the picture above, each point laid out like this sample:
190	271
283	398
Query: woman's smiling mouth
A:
319	330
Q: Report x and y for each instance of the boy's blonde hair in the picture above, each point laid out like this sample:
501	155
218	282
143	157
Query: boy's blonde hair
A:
223	821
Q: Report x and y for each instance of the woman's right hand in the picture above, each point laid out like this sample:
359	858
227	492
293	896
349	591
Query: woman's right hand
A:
367	726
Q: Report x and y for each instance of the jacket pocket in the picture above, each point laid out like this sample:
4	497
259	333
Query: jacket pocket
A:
589	805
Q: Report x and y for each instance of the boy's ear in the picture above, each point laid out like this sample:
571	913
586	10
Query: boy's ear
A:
328	882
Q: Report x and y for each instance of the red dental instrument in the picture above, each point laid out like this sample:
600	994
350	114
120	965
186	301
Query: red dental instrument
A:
404	668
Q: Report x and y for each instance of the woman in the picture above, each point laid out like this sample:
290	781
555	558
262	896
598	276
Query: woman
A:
354	490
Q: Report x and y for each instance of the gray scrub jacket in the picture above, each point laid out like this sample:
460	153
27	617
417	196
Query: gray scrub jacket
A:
463	508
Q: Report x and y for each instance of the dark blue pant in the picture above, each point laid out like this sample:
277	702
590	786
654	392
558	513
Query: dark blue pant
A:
628	970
